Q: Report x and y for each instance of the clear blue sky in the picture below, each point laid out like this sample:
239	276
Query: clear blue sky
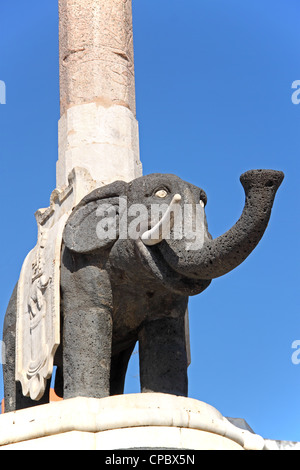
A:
213	100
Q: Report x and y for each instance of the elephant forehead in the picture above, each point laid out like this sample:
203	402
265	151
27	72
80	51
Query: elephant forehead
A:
146	185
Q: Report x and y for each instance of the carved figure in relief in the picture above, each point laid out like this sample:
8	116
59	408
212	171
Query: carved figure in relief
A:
37	309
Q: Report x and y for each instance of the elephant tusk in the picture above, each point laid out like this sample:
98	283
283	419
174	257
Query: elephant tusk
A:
163	227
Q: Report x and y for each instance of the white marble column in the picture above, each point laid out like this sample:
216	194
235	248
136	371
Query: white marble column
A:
98	130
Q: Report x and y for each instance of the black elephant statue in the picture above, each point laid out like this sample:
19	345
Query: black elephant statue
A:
127	272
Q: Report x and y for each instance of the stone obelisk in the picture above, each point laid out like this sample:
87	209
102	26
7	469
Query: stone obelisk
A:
98	130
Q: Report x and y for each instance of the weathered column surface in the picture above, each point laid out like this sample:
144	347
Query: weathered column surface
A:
98	130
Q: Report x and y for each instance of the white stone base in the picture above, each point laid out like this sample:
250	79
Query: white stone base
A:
137	421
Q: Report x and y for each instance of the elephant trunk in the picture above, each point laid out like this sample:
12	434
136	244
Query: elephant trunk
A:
219	256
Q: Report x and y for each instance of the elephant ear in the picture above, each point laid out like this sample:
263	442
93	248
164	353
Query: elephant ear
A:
93	224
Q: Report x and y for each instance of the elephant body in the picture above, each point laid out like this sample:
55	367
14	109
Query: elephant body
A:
118	290
103	324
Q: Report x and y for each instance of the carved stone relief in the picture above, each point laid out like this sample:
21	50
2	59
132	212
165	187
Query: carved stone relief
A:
38	310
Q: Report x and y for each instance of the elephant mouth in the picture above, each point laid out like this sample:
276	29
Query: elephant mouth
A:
150	251
153	260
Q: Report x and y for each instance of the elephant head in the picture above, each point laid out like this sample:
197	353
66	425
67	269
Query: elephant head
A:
119	219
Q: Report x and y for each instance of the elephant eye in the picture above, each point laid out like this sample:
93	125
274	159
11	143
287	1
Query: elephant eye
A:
161	193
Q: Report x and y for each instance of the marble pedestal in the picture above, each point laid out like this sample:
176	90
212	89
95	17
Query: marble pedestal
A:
137	421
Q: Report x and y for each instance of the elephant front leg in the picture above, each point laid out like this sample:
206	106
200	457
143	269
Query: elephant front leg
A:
87	334
163	357
87	353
